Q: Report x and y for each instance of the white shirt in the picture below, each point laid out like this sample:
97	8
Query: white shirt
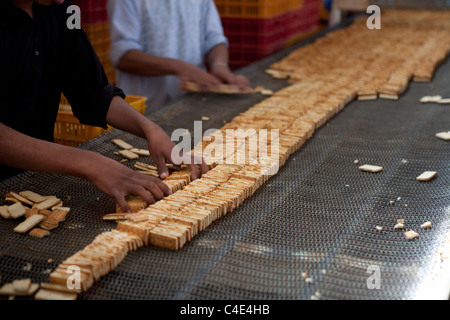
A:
180	29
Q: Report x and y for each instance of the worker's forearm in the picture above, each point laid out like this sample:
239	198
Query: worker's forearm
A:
218	56
144	64
27	153
124	117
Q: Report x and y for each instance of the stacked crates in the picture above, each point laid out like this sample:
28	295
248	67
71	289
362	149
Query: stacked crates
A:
302	21
94	21
258	28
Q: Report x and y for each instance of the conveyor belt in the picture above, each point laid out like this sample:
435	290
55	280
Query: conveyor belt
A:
315	219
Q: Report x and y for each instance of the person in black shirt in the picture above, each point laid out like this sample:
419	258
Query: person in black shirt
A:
40	58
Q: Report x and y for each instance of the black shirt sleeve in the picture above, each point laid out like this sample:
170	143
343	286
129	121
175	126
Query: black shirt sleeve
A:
84	82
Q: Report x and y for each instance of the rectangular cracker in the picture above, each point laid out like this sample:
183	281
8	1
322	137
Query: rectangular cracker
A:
39	233
61	208
427	176
47	204
31	212
9	290
58	205
141	152
444	101
29	224
367	97
428	99
53	219
32	196
122	144
388	96
46	294
22	285
4	212
58	216
45	212
48	226
135	203
21	199
128	154
17	210
371	168
10	198
59	287
115	216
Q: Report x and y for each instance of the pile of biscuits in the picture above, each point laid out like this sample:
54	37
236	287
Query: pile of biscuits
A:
40	214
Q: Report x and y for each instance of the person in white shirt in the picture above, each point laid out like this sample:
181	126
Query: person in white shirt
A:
156	45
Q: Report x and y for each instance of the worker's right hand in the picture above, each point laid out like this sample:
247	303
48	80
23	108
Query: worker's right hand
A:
189	72
119	181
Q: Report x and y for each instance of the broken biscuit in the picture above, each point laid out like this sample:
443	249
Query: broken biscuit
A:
411	234
444	101
39	233
427	176
443	135
4	212
370	168
426	225
21	199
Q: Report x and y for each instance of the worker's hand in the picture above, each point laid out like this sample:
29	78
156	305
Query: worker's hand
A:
162	148
123	116
119	181
189	72
224	74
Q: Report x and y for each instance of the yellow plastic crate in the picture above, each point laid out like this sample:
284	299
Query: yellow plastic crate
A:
251	8
294	4
70	132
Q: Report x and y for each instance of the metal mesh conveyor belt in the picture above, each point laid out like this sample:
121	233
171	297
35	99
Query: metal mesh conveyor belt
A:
317	215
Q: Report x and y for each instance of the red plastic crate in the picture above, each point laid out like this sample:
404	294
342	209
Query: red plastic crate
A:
91	5
92	11
259	9
255	27
240	57
302	20
256	34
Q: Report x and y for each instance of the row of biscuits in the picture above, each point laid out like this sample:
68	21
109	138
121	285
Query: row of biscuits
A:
385	60
175	220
